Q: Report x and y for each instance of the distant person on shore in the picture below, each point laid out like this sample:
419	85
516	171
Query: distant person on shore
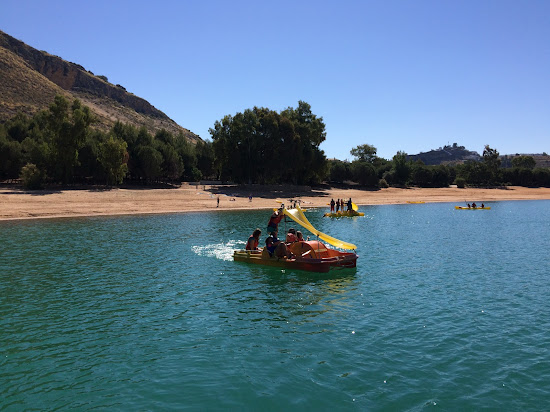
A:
250	197
331	205
337	205
254	240
350	203
218	201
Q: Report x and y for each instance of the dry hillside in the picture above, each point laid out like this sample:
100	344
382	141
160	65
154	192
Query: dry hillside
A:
29	80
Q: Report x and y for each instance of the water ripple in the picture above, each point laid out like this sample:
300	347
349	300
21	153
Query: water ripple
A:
445	310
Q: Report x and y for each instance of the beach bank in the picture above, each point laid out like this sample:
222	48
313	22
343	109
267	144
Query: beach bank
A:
16	203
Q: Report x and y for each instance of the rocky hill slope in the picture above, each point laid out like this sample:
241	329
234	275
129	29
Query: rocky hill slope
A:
446	155
30	79
455	154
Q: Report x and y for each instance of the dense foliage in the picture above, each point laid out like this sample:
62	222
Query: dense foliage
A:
59	145
263	146
369	170
62	147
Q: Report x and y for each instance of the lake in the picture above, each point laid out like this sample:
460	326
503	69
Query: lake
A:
447	310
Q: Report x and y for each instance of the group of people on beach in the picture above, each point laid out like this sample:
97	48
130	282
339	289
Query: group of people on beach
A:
339	205
273	245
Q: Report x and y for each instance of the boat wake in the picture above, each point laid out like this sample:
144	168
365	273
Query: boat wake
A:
222	251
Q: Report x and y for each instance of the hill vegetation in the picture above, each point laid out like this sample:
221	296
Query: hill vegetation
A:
58	145
30	79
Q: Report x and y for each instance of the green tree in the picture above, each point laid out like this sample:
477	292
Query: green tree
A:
172	165
401	168
205	159
68	131
222	145
364	173
339	171
263	146
421	175
526	177
474	173
460	182
11	158
441	176
165	137
37	151
31	177
89	165
187	153
491	159
526	162
541	177
18	127
113	157
134	138
382	166
308	161
126	132
149	162
364	152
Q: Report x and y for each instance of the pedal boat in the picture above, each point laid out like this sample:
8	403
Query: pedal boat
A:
345	213
311	256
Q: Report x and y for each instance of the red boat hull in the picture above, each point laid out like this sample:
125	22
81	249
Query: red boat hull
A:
310	265
312	256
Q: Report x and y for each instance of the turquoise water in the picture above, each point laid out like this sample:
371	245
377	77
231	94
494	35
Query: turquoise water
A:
447	310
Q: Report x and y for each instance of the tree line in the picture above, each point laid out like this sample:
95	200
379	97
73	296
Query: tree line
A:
266	147
370	170
258	146
60	145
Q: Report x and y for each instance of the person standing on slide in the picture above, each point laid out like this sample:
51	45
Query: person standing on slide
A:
273	224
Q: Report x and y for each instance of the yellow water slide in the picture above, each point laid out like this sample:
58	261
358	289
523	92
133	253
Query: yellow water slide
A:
298	216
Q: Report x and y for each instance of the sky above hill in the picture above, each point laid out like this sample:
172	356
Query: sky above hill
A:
400	75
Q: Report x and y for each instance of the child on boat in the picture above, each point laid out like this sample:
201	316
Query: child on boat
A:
276	248
291	236
253	240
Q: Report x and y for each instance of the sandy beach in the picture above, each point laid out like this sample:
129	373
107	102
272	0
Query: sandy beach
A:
20	204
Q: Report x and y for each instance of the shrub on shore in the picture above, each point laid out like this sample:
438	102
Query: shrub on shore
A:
31	177
460	182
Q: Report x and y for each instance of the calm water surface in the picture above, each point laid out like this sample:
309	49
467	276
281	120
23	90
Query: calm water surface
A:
447	310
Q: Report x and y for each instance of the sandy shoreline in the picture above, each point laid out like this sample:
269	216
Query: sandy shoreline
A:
19	204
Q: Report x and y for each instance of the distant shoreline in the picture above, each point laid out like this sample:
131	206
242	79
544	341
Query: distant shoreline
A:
17	204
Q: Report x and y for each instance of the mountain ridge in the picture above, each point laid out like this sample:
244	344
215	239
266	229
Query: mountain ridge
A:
30	79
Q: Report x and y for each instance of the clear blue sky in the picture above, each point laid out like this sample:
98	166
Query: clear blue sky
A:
397	74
